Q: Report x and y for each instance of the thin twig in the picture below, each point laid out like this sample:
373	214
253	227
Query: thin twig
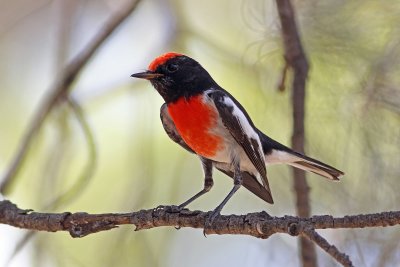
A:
61	88
330	249
88	170
282	82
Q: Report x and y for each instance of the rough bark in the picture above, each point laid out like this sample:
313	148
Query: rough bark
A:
260	225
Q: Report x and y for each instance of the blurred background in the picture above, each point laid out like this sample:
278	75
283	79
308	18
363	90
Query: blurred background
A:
352	122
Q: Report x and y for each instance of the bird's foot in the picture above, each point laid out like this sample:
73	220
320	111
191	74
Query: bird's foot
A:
209	220
266	214
169	209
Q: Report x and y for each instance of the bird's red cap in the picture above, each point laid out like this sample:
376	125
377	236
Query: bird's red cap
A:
162	59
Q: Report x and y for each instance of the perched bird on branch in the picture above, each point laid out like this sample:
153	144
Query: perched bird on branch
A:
206	120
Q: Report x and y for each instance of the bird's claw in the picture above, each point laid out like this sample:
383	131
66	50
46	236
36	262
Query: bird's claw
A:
160	208
169	209
209	221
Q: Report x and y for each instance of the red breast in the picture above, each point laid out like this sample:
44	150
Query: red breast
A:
194	119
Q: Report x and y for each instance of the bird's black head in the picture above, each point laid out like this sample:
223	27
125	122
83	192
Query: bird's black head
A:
175	75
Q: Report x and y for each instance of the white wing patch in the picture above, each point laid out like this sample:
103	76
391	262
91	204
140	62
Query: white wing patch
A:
242	119
249	131
242	144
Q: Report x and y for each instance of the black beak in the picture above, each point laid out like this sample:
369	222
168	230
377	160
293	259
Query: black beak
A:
148	75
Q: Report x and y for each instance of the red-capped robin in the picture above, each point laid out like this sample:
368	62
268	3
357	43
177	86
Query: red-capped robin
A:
206	120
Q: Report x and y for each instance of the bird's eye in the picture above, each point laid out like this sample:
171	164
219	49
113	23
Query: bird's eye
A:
172	68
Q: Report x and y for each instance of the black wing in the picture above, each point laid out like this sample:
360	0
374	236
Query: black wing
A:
243	131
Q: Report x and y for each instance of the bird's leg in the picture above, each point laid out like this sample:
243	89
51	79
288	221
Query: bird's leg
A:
237	182
208	182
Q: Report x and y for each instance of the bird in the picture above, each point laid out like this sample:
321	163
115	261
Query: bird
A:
208	121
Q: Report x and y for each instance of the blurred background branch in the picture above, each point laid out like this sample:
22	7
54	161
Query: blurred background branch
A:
81	182
61	88
295	58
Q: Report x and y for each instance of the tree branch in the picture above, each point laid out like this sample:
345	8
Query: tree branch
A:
259	224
